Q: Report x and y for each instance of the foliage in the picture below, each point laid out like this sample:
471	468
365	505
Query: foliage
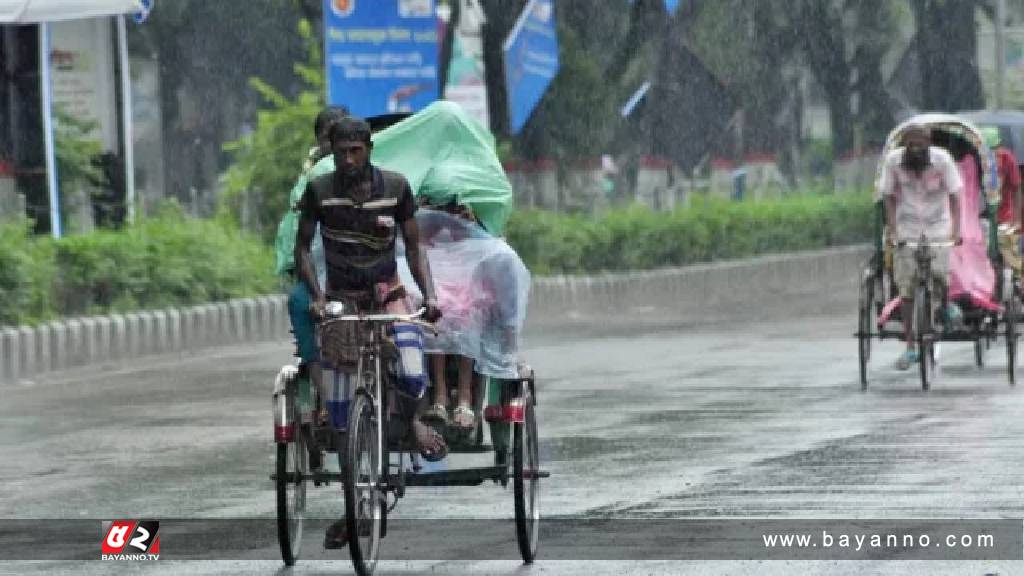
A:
27	272
268	160
638	238
166	260
204	52
75	151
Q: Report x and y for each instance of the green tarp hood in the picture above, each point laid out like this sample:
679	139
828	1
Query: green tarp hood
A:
446	154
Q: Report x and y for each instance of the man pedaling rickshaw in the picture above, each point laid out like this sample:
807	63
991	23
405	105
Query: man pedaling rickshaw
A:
360	210
921	187
450	162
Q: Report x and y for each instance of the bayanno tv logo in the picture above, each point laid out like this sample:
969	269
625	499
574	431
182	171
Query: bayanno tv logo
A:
131	540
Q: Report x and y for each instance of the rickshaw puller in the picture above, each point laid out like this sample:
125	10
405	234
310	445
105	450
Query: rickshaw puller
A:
921	187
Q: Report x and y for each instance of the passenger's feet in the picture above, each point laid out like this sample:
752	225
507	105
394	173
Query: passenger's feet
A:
336	536
463	417
431	445
436	413
906	360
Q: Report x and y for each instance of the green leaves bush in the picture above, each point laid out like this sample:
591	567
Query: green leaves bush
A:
268	160
637	238
173	260
167	260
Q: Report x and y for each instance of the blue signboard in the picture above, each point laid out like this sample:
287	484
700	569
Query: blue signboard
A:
147	7
531	60
381	55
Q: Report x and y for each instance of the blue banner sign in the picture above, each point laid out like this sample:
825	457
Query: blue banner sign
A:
531	60
381	55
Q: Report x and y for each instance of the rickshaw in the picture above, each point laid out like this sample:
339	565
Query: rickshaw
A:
985	316
439	150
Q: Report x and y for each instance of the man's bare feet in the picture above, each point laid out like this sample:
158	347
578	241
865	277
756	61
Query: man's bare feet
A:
429	442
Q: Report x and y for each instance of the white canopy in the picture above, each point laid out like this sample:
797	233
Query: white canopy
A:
34	11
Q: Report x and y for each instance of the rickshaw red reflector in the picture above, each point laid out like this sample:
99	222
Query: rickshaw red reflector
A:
507	414
284	433
514	413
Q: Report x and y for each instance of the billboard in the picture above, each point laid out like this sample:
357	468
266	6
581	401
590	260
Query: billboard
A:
531	60
381	55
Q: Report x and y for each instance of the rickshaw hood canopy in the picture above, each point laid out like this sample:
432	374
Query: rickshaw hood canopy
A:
955	125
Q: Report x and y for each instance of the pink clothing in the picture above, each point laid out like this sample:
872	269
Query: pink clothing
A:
970	272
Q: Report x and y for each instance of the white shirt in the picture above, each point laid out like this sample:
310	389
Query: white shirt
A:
922	202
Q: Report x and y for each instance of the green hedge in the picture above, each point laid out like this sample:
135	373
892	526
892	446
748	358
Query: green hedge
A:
168	260
172	260
638	238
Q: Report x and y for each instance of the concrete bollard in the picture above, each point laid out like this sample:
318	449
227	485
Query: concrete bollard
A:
211	325
10	355
250	322
59	345
226	335
118	337
279	312
174	322
192	328
161	332
262	331
236	311
90	342
103	337
133	334
43	351
27	344
75	344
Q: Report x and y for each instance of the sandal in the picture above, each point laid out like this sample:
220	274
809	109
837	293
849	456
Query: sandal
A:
463	417
436	413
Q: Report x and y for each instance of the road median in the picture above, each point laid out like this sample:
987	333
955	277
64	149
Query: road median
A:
690	293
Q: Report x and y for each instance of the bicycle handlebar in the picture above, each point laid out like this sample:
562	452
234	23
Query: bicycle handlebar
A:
334	307
930	244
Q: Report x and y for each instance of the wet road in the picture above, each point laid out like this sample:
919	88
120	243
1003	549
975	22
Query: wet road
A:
738	419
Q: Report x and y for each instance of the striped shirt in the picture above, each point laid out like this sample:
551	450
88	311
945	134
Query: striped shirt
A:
359	230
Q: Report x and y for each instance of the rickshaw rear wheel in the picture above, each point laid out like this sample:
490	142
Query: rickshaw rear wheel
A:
292	466
1012	314
526	481
864	330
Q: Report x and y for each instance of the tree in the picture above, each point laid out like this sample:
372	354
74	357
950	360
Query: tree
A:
267	161
947	48
206	52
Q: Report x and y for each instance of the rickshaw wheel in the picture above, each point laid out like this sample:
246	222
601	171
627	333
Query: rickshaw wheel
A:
292	466
925	347
526	481
1012	313
364	506
864	331
979	351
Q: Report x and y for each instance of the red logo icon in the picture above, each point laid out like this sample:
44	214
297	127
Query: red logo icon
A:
131	540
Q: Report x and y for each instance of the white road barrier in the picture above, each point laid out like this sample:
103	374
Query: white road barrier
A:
690	292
